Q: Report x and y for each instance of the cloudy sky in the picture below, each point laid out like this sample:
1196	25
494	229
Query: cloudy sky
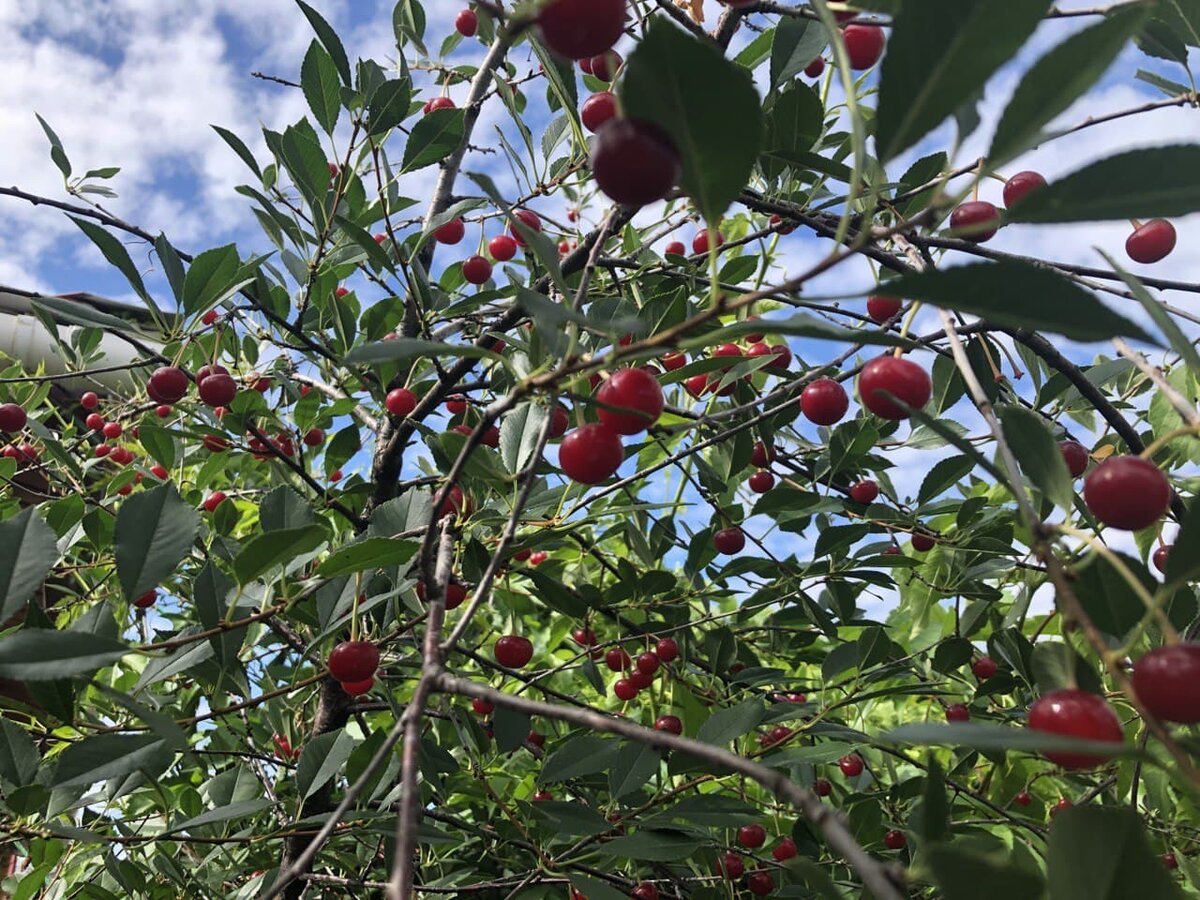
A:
137	83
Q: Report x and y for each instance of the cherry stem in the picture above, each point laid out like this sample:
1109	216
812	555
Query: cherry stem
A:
906	326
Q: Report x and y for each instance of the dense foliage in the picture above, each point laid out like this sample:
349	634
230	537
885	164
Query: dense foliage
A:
511	541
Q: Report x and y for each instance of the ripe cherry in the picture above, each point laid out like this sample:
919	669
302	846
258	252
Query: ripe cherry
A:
450	233
1021	185
513	651
670	724
777	223
667	650
591	453
760	456
851	765
1127	492
1160	557
529	219
864	45
958	712
700	241
617	659
902	378
160	472
824	401
1071	712
1062	804
584	637
634	162
922	542
1169	860
637	399
217	390
729	540
605	65
314	437
502	248
752	836
576	29
984	668
477	270
466	23
112	430
482	707
1151	242
822	787
785	849
1167	681
881	308
640	679
167	385
761	482
625	689
353	661
89	400
536	738
147	600
895	840
864	491
358	688
215	499
815	68
976	221
729	865
95	421
598	109
760	882
1076	457
675	248
1022	798
438	103
645	891
648	663
400	401
210	317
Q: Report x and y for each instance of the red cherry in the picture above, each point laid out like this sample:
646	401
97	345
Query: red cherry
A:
760	882
851	765
101	451
358	688
529	219
339	293
638	396
605	65
881	308
730	866
314	437
502	248
450	233
214	443
335	476
1022	798
581	28
958	712
1076	457
1127	492
353	661
625	689
585	637
536	738
477	270
761	482
822	787
598	109
212	369
1058	807
490	437
895	840
590	454
400	402
1151	242
542	796
729	540
513	651
1021	185
824	402
640	679
667	650
785	849
984	668
760	456
752	836
1161	554
1079	714
439	103
902	378
864	491
538	557
634	162
645	891
95	421
976	221
783	356
815	68
777	223
864	45
700	241
1167	681
215	499
670	724
1169	860
466	23
112	429
617	659
217	390
922	542
648	663
675	248
147	600
160	472
167	385
89	400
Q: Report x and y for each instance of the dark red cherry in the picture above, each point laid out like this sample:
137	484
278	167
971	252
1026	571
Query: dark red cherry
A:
466	23
634	162
760	882
513	651
1076	457
529	219
217	390
667	650
881	308
824	401
864	491
1021	185
752	836
1167	681
815	68
976	221
605	65
400	402
1160	556
1022	798
477	270
922	542
785	849
636	398
760	456
597	110
761	482
851	765
645	891
670	724
958	712
729	540
618	660
1071	712
902	378
895	840
450	233
822	787
984	668
167	385
576	29
353	661
729	865
1151	242
502	248
625	689
1127	492
13	418
590	454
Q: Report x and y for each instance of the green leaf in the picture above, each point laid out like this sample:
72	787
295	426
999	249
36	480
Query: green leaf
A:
28	551
413	348
636	763
319	81
1109	601
239	147
107	756
579	756
209	277
799	325
797	43
434	137
412	509
510	727
60	309
155	530
322	758
656	846
19	757
963	875
1056	665
264	552
1017	295
330	40
57	154
1038	453
729	724
940	53
793	126
935	807
368	553
520	431
943	475
1138	184
985	736
389	105
570	818
41	654
1101	853
284	508
1058	79
671	80
114	251
594	888
1166	323
237	810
